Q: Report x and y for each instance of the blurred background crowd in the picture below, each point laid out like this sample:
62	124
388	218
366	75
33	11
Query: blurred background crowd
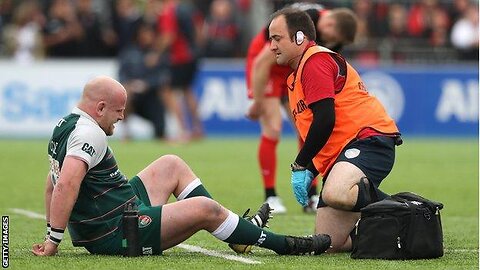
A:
416	31
158	44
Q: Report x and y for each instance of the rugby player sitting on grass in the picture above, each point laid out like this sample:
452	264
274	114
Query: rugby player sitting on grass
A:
86	191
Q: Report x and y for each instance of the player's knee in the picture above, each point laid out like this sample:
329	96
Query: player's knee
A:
172	159
167	165
208	208
336	198
169	162
274	132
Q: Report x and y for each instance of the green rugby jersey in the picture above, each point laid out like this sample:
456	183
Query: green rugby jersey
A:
104	191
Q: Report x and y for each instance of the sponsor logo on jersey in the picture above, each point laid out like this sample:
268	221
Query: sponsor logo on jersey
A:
61	122
301	106
54	168
87	148
117	172
147	250
53	147
144	221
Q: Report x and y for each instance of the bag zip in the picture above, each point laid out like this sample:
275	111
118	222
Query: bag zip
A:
356	227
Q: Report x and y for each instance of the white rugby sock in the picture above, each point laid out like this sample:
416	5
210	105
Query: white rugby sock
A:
227	227
189	188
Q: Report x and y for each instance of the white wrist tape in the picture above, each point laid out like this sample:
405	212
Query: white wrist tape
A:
56	235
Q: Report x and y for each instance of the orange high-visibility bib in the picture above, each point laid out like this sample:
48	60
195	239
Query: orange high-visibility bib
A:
355	110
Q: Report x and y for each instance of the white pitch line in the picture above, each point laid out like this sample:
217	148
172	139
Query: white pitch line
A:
27	213
462	250
191	248
217	254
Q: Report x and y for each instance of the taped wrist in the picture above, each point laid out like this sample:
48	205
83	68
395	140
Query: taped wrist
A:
49	230
56	235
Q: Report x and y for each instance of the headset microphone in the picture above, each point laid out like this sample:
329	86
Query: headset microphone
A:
299	37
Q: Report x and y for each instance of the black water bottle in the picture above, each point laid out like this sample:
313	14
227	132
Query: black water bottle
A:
130	241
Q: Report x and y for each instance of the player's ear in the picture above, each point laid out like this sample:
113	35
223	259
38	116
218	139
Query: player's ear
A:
101	106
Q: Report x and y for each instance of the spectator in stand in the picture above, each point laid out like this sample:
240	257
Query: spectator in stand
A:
440	28
221	31
94	39
428	20
396	34
203	6
465	34
143	82
364	11
127	17
22	38
6	12
459	7
62	31
150	11
397	22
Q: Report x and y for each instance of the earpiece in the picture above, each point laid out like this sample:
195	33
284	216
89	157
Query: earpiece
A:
299	37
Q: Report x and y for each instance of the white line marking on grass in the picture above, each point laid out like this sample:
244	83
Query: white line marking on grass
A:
27	213
462	250
208	252
217	254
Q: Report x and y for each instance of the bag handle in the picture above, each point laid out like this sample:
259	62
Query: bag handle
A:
410	196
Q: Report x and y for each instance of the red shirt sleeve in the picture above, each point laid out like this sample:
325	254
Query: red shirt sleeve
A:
167	21
318	78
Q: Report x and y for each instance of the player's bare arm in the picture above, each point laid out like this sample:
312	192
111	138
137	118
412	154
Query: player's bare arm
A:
62	201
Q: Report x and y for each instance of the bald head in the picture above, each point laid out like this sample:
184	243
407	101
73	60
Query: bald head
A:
102	88
104	100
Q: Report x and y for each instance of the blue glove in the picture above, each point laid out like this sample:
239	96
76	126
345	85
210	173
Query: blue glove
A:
301	181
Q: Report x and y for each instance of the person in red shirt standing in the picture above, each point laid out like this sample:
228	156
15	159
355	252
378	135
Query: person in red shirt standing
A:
266	85
349	138
179	27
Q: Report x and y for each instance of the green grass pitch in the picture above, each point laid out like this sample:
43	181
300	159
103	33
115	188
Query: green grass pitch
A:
445	170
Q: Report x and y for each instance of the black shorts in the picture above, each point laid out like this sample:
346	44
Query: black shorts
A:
373	155
182	75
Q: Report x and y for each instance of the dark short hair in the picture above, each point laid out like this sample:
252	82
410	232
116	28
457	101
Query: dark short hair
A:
297	20
346	22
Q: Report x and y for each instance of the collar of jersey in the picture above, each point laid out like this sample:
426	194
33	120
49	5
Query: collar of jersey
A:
78	111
